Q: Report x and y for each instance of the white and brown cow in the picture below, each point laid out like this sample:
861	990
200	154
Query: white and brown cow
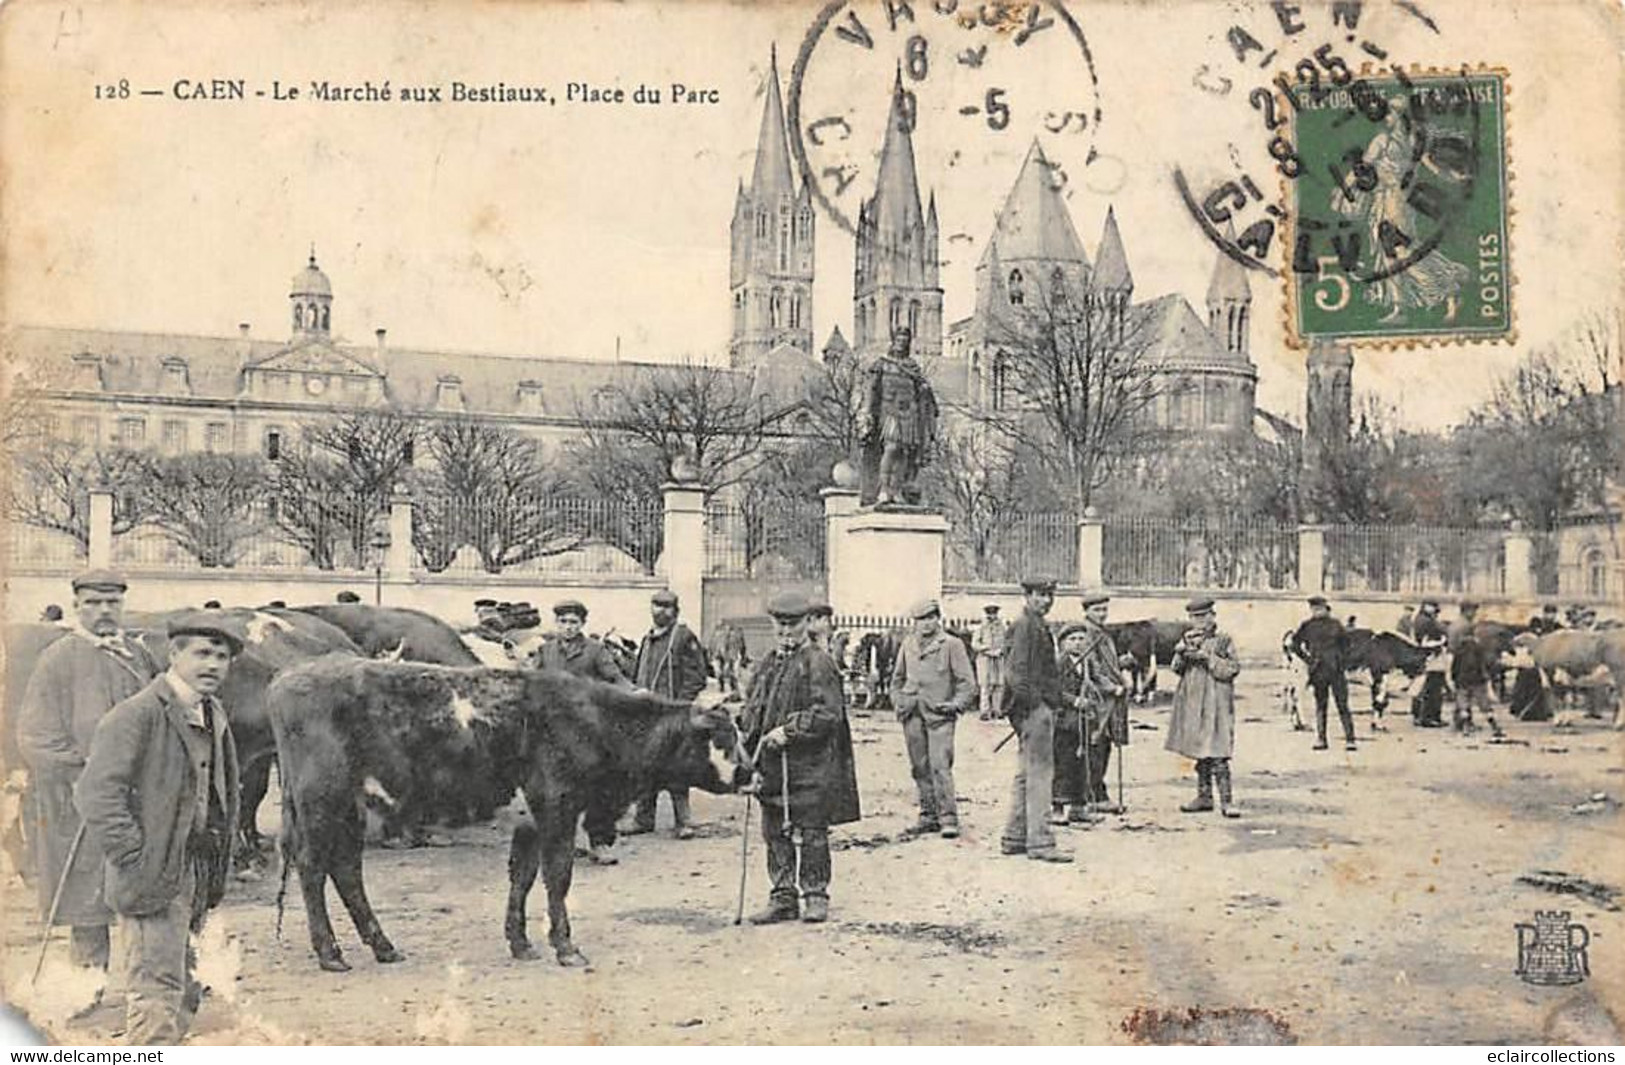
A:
350	731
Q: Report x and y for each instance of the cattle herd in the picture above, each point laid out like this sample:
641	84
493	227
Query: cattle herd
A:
389	711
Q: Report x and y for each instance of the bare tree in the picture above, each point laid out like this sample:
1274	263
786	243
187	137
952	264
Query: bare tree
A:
977	476
709	416
51	482
335	482
1079	381
208	505
494	490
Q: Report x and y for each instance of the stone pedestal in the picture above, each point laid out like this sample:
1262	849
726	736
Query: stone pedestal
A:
401	554
1091	551
840	506
682	562
885	561
1520	564
1311	558
101	529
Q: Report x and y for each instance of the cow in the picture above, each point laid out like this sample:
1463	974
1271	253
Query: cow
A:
1579	654
1379	654
351	730
1143	646
380	630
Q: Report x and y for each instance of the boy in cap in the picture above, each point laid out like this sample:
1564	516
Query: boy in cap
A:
1203	723
1470	668
75	682
670	662
1033	682
1322	643
574	652
1106	709
795	723
931	685
159	796
992	634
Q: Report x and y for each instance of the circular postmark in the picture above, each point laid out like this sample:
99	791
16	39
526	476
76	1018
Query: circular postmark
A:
972	85
1385	183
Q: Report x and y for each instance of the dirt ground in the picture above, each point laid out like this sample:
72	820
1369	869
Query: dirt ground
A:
1363	898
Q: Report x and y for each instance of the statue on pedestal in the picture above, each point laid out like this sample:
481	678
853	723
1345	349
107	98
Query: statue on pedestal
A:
899	422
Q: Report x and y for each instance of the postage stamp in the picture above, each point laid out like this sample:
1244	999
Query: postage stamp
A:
1399	227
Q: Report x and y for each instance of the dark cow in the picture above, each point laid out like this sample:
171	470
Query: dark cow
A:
349	730
1146	644
1382	653
410	635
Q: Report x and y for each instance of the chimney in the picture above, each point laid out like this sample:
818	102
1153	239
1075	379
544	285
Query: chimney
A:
242	329
379	333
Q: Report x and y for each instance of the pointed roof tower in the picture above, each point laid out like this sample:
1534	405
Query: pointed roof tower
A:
1229	277
1034	223
773	175
1111	262
896	203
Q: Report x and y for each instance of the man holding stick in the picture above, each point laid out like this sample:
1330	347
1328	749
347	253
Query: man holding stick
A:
795	721
1106	715
1033	687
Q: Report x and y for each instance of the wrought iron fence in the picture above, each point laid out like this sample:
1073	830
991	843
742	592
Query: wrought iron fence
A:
1016	545
1415	559
35	548
1167	553
542	535
779	538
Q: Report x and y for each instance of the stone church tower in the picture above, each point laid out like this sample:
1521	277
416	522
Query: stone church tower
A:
771	259
896	282
1328	414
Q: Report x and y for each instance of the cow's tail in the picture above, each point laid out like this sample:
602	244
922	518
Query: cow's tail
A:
287	847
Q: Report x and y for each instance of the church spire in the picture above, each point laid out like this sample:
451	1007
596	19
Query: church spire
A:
773	176
897	189
1111	261
1229	301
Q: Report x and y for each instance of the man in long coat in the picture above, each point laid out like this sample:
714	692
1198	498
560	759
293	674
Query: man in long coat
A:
76	681
795	721
1106	716
991	636
671	662
932	684
575	652
1203	723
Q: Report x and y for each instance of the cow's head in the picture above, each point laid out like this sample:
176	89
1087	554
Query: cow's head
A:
711	755
524	649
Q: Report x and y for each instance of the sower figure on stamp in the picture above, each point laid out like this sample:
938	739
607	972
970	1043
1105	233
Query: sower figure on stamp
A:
1203	723
671	662
1322	643
1032	694
795	722
989	642
1106	714
932	684
575	652
76	681
159	796
899	420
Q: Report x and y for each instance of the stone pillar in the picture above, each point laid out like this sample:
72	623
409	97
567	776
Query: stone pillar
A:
101	528
887	561
1091	550
840	506
401	555
1520	563
1311	558
682	560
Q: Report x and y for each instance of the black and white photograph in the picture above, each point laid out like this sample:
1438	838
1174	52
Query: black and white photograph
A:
867	522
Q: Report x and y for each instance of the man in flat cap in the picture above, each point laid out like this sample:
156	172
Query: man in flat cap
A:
1471	666
1203	723
1322	642
1032	695
75	682
575	652
991	636
795	722
159	796
931	685
1427	708
1106	706
670	662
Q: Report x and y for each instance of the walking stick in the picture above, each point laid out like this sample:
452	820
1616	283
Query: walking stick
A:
1121	805
784	775
744	865
1008	737
56	900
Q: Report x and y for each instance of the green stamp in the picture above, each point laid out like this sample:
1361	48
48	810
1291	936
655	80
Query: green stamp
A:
1399	224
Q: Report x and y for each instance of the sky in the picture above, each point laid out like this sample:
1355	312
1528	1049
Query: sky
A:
582	229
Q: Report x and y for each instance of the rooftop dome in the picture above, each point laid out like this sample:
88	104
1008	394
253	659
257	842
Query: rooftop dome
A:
311	281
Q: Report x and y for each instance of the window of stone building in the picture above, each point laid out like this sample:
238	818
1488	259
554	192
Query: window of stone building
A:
795	310
1594	568
87	430
1001	382
530	396
1018	295
175	375
449	391
775	317
1217	404
132	432
273	442
914	317
174	437
216	437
